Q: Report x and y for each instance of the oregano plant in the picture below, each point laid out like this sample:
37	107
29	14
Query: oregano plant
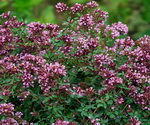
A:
83	72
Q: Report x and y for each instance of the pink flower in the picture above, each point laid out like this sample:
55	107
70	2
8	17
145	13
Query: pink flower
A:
92	4
60	7
77	7
60	122
6	108
134	121
9	121
87	21
5	15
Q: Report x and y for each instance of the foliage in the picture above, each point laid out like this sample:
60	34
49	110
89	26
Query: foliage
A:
85	71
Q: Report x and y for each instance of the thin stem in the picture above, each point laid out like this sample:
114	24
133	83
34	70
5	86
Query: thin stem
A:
124	107
95	110
105	116
146	116
86	122
141	111
79	101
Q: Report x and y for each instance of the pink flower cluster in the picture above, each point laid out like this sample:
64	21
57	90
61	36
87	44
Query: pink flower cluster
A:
7	37
115	30
6	109
134	121
5	93
87	21
61	7
77	7
81	92
41	33
11	22
120	101
103	60
24	95
94	121
94	20
29	65
141	98
60	122
92	4
9	121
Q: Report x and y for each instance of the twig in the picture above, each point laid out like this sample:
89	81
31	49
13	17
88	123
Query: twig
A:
79	101
141	111
124	107
105	116
86	122
146	116
95	110
94	113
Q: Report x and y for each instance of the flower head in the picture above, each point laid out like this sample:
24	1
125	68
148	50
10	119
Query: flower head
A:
60	7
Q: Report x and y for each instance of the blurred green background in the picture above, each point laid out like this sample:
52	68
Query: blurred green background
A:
134	13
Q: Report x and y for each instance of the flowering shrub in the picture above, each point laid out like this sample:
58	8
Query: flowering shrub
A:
83	72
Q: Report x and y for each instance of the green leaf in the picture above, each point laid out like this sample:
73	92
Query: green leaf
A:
97	101
104	105
100	105
110	102
84	113
112	116
117	120
36	124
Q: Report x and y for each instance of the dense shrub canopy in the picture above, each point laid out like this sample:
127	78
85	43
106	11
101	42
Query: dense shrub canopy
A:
82	72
